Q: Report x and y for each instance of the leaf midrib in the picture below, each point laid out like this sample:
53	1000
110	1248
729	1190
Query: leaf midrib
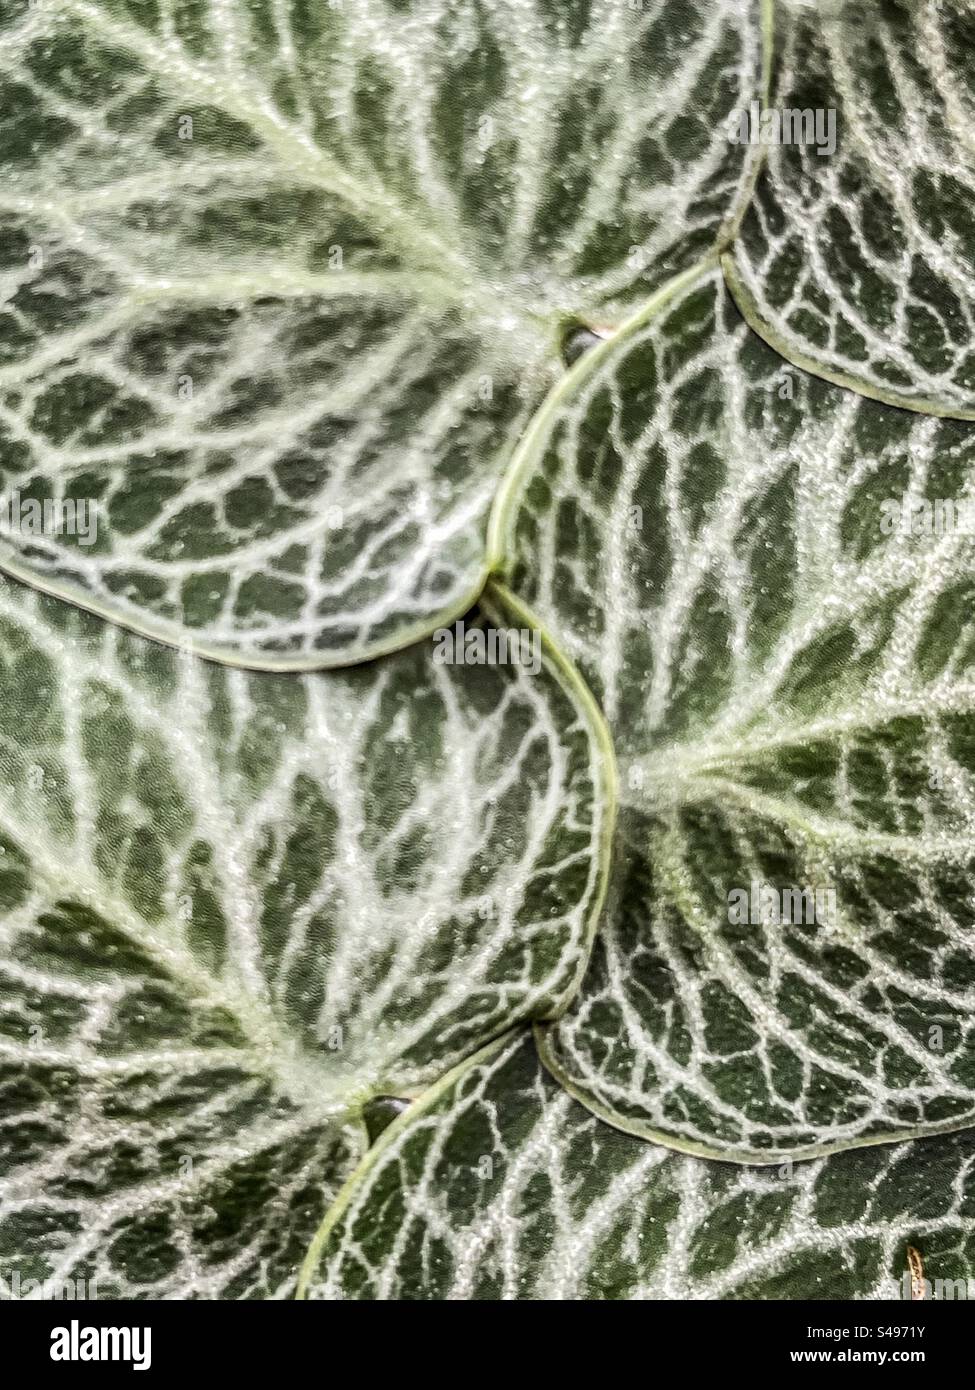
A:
447	268
298	1074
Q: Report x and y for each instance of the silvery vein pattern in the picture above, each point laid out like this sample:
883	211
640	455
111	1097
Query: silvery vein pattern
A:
861	264
503	1187
281	283
789	686
238	905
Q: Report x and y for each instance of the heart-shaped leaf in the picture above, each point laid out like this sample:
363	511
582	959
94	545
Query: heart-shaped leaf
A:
787	966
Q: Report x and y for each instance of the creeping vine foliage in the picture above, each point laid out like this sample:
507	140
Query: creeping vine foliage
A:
645	328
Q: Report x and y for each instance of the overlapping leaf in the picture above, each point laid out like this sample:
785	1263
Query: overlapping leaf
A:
281	286
859	261
790	682
238	905
282	283
500	1186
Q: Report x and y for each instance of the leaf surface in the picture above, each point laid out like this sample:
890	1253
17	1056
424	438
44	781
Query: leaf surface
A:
281	284
790	687
859	264
238	906
499	1186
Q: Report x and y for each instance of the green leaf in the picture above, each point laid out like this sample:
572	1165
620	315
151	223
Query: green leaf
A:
791	690
281	284
496	1185
860	264
322	322
238	906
